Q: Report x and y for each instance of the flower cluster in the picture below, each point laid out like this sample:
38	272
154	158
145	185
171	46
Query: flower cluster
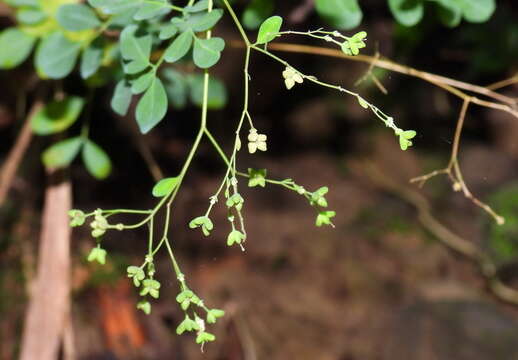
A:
256	141
291	77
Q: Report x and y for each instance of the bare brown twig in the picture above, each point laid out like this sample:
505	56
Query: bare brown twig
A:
505	103
453	169
15	156
370	74
501	84
441	232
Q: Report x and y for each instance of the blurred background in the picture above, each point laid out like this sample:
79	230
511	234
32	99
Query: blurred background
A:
378	286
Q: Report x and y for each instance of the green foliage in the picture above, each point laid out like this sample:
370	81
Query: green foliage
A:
57	116
256	12
450	12
121	98
77	17
91	59
96	160
217	93
207	52
165	186
16	47
503	239
179	47
56	56
269	29
407	12
341	14
152	107
135	50
62	153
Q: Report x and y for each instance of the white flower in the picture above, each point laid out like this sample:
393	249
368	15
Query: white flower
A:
291	76
256	141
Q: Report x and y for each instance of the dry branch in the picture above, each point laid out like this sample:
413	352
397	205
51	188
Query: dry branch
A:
16	154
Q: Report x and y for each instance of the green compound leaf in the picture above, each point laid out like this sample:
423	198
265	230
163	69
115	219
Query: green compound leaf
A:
16	47
176	87
115	7
151	9
477	11
256	12
61	154
30	16
91	59
217	97
199	6
449	12
96	160
207	52
77	17
142	82
57	116
152	107
179	47
56	56
168	31
342	14
269	29
207	21
407	12
165	186
136	50
121	98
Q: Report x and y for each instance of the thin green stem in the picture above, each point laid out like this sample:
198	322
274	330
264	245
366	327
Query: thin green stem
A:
237	23
388	120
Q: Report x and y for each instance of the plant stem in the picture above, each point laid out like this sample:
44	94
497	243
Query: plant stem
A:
237	22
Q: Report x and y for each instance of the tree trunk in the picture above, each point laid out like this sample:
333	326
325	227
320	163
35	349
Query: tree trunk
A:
49	306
